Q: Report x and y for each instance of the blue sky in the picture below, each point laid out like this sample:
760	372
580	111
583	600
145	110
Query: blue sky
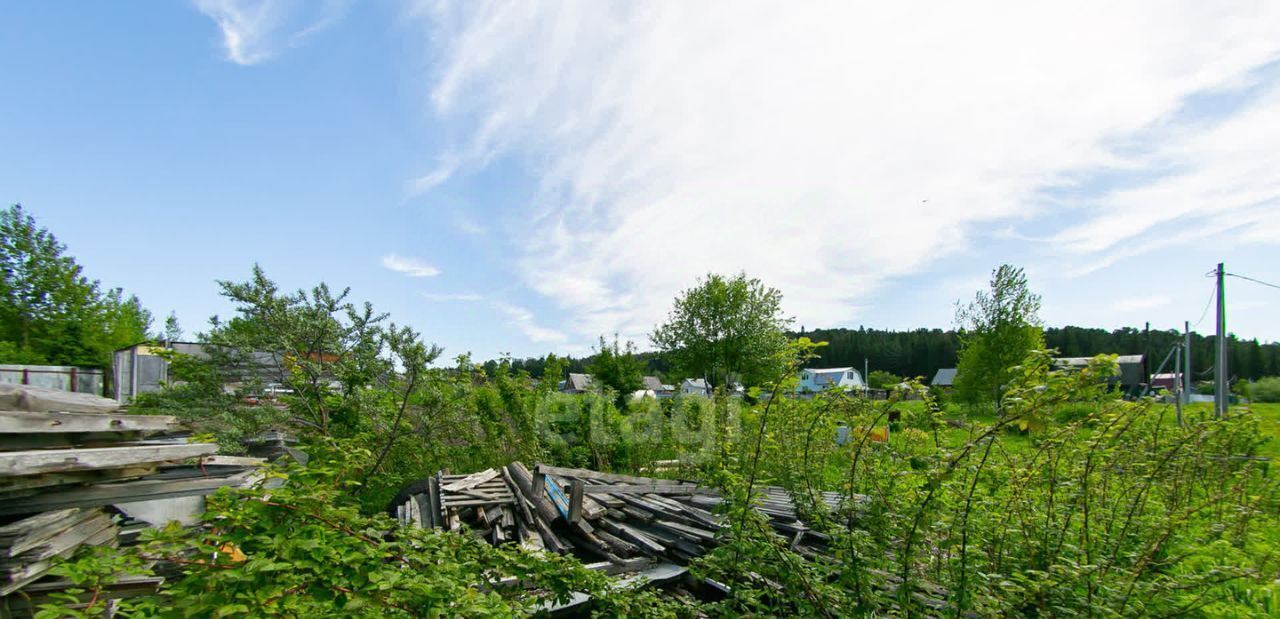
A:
523	177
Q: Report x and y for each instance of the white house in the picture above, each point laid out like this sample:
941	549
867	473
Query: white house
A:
813	380
695	386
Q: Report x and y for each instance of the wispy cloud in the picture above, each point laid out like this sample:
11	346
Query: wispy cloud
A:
254	31
523	320
467	297
1223	177
517	316
825	147
413	267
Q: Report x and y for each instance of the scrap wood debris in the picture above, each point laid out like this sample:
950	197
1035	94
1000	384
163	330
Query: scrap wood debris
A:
76	471
622	524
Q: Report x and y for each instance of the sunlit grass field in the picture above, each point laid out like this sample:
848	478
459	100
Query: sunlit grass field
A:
1268	419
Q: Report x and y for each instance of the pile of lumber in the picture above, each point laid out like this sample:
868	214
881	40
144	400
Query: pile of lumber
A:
75	471
640	528
629	521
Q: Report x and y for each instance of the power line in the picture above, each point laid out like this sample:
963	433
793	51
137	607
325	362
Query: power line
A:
1256	281
1212	293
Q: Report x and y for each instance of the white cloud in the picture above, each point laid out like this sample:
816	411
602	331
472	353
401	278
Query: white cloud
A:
523	320
517	316
413	267
825	147
1142	303
1227	178
452	296
254	31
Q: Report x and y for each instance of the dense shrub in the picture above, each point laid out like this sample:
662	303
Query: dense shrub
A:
1265	390
1110	510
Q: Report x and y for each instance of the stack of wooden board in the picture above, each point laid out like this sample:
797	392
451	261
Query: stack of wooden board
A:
29	546
624	519
62	472
620	524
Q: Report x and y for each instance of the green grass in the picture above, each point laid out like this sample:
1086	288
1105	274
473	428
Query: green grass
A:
1268	416
1269	420
1017	442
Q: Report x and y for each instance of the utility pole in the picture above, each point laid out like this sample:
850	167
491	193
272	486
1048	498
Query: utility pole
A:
1220	396
1146	354
1177	387
1187	373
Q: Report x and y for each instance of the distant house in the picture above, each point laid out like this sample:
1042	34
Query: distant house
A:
695	386
659	389
813	380
576	383
141	368
1168	382
1133	369
944	378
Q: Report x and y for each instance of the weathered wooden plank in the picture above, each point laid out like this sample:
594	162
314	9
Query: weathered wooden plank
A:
575	502
476	494
415	515
685	530
58	460
470	481
529	540
26	422
544	511
122	492
36	569
557	496
620	546
433	497
521	504
586	474
467	502
491	515
424	510
39	593
221	460
644	541
664	489
29	533
27	442
62	541
36	523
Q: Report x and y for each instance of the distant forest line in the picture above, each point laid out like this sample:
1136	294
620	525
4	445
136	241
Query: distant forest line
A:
922	351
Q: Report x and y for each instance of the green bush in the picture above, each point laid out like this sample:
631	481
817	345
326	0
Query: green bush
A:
1265	390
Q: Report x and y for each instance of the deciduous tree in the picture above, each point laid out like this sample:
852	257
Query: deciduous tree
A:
615	366
50	312
726	328
997	331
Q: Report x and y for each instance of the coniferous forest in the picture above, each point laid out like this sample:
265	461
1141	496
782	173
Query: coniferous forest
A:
922	351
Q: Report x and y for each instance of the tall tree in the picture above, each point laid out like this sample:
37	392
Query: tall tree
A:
322	348
172	330
724	329
615	366
50	312
997	331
